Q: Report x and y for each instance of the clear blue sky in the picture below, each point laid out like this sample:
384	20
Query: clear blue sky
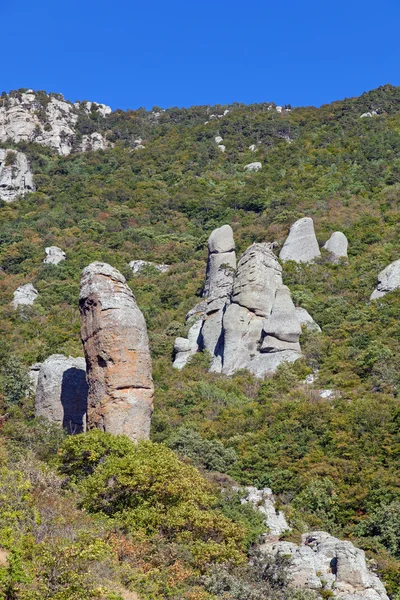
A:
127	53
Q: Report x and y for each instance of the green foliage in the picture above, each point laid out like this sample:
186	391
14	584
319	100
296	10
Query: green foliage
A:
384	526
14	382
210	454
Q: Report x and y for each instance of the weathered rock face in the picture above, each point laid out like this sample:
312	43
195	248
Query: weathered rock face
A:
25	295
247	319
138	266
306	319
321	561
94	141
47	120
54	255
337	245
114	336
15	175
388	280
61	392
301	244
33	375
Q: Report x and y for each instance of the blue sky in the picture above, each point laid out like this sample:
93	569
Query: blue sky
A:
127	53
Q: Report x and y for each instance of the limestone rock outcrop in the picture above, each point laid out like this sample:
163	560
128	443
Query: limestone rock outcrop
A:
320	561
54	255
45	119
61	392
388	280
337	245
253	167
25	295
138	266
15	175
116	345
247	319
94	141
33	375
301	244
306	319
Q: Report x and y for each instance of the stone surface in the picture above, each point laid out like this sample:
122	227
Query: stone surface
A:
115	341
33	375
94	141
54	255
388	280
25	295
61	393
337	245
301	244
306	319
138	266
185	348
15	175
264	501
253	167
45	119
218	139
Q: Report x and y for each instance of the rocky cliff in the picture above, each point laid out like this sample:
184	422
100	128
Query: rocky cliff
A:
15	175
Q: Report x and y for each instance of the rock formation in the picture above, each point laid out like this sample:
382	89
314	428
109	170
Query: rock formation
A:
321	561
388	280
45	119
25	295
61	392
301	244
306	319
15	175
114	336
54	255
138	266
33	375
253	167
94	141
247	319
337	245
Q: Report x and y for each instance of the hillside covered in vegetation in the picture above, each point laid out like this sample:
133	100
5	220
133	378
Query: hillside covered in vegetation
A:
163	528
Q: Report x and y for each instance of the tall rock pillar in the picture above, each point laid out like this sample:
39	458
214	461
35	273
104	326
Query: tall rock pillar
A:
115	341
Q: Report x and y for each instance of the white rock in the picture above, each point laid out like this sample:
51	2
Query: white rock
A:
54	255
253	167
327	394
252	148
15	178
306	319
94	141
218	139
102	109
279	109
372	113
25	295
337	245
221	147
185	348
388	280
264	501
138	266
301	244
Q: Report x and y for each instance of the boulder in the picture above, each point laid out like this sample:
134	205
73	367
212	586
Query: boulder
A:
221	265
62	392
116	346
185	348
388	280
282	324
253	167
301	244
25	295
306	320
54	255
218	139
138	266
33	375
337	245
15	175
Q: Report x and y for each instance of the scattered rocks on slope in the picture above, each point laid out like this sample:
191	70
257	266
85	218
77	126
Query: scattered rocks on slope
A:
61	393
306	319
25	295
388	280
115	341
54	255
247	318
337	245
94	141
253	167
52	122
138	266
15	175
321	561
301	244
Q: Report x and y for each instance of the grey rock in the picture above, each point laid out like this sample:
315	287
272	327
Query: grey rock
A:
252	148
138	266
306	320
25	295
388	280
54	255
218	139
301	244
15	175
61	393
253	167
264	501
92	142
33	375
116	346
185	348
337	245
283	323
